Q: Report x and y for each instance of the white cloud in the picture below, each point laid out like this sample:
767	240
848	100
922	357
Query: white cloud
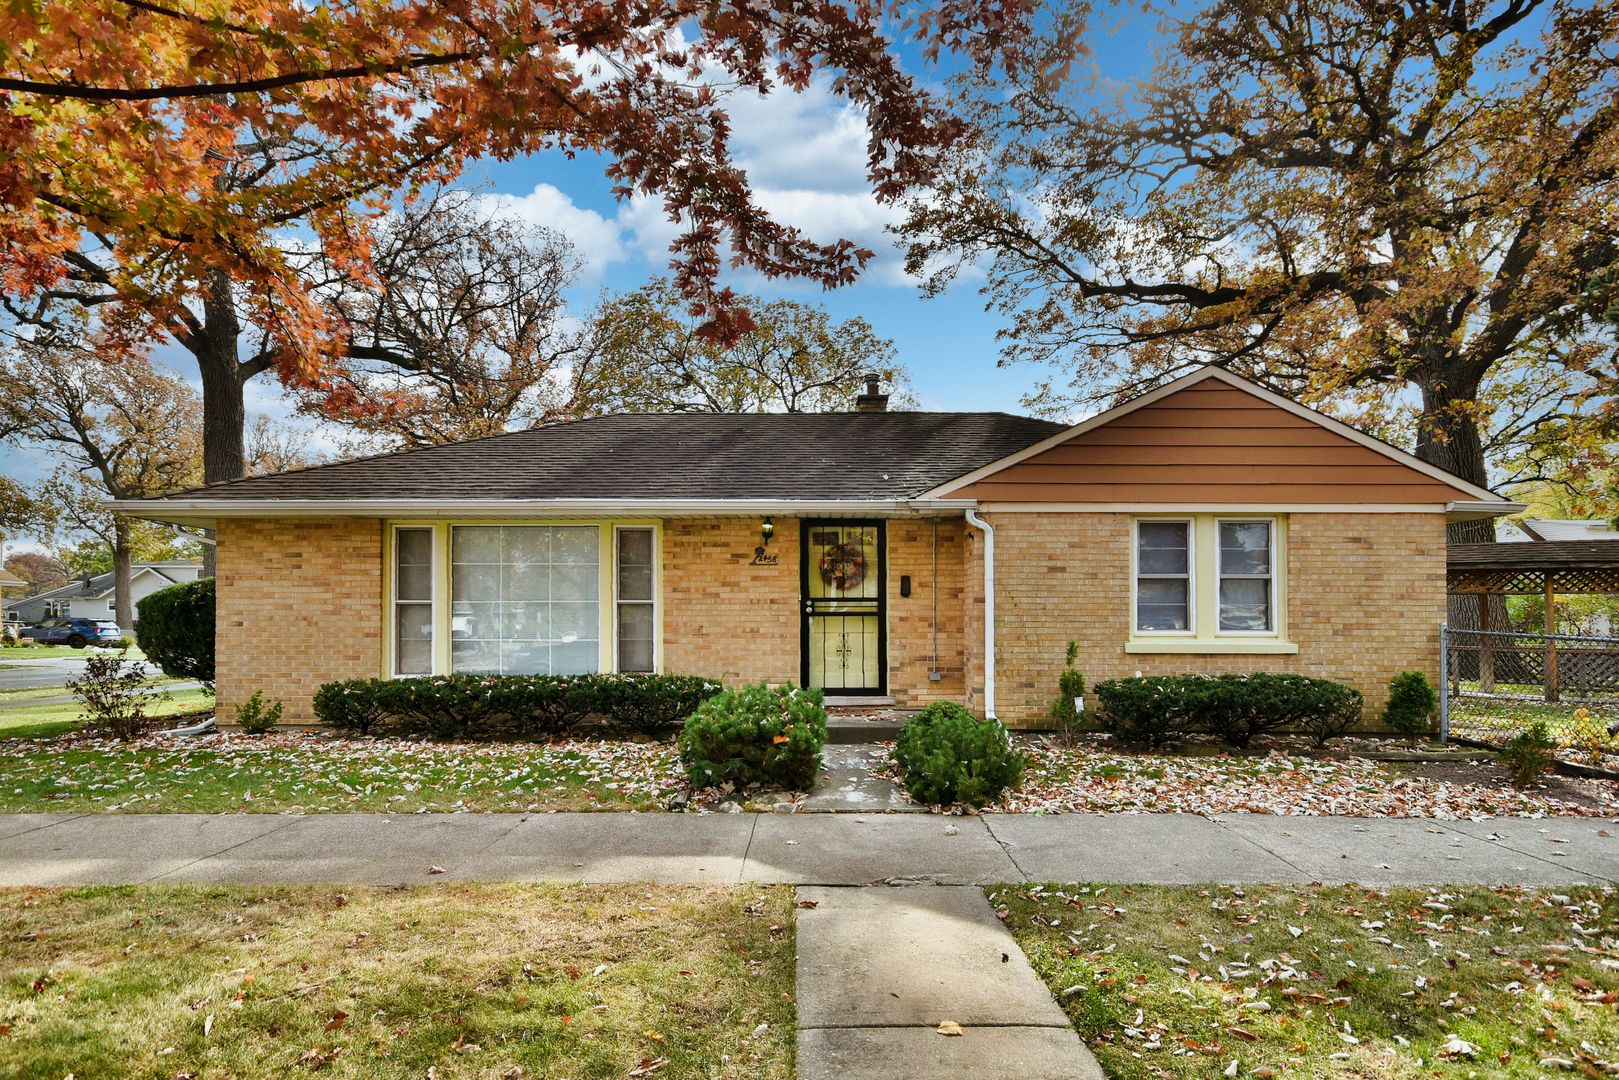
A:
598	240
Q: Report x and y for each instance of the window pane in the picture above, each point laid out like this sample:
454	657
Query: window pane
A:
635	637
413	641
1161	604
525	599
1162	547
413	556
1245	547
635	564
475	544
1244	604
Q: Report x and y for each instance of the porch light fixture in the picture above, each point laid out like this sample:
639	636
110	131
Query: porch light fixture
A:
767	529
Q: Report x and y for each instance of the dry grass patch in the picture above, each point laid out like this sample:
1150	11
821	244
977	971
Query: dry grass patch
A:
1311	981
445	981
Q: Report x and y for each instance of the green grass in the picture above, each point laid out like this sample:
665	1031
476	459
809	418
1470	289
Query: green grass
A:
47	721
1181	981
312	773
446	981
1576	727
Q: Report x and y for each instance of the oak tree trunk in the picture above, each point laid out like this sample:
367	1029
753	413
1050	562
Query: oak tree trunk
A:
123	604
224	407
1451	439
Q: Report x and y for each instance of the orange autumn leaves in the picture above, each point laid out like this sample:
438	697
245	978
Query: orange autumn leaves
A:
198	136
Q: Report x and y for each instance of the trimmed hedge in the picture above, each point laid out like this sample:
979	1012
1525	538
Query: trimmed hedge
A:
175	629
947	755
759	734
1151	711
508	706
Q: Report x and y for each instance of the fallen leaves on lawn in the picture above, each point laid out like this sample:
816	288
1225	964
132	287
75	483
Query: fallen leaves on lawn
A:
1072	779
315	772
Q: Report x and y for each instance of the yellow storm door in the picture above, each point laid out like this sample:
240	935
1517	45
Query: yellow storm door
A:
845	646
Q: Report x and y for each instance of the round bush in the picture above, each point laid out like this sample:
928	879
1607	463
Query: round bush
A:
175	628
950	756
758	734
1411	705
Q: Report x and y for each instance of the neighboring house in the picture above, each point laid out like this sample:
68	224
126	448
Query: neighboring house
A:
92	598
1555	529
1210	525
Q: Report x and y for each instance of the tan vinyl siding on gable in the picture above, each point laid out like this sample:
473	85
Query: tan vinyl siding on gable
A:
1210	443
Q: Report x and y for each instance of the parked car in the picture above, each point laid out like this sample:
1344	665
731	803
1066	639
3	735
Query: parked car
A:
76	633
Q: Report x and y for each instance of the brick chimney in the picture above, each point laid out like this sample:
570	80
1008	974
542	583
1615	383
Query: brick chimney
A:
873	400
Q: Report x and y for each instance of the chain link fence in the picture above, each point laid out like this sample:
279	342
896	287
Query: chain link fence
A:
1496	684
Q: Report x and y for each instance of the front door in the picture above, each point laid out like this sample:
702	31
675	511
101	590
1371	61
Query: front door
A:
845	646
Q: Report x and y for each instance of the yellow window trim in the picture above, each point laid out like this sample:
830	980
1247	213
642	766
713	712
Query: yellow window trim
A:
1205	636
607	585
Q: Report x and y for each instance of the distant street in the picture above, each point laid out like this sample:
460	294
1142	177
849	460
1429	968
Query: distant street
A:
28	674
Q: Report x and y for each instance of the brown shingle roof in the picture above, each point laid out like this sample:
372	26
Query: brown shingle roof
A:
673	455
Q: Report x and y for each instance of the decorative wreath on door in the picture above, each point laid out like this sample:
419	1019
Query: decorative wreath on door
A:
843	565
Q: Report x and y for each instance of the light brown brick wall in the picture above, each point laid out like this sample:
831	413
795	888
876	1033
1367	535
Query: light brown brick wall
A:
1365	595
741	623
299	604
911	618
721	617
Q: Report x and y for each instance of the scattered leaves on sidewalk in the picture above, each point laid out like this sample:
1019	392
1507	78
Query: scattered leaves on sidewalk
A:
949	1027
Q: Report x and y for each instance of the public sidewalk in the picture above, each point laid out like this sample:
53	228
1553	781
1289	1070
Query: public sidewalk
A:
801	849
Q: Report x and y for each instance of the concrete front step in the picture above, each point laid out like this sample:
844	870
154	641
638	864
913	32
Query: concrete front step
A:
848	726
880	968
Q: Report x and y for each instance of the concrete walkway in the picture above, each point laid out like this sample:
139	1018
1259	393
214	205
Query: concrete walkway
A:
880	969
801	849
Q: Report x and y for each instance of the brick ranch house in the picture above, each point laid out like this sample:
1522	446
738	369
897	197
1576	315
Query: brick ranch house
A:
1209	526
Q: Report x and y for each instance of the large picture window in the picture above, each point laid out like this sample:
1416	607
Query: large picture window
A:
525	599
1164	576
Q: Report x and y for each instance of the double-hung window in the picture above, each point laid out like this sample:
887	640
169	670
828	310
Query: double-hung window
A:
413	601
1164	576
1246	576
635	618
1206	582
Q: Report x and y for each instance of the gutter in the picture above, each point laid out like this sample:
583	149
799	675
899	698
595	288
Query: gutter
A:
190	511
989	608
1476	509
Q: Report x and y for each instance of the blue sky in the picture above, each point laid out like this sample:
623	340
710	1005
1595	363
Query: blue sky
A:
805	156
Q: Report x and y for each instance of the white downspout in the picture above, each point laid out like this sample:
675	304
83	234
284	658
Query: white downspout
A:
989	608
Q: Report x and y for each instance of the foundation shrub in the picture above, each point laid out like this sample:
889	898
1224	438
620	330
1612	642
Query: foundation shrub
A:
651	704
755	735
507	706
1152	711
1412	704
947	755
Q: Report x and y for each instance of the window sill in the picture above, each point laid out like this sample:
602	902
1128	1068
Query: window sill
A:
1215	646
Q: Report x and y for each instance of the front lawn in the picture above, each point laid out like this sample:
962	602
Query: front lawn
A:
440	981
1335	982
315	773
23	721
